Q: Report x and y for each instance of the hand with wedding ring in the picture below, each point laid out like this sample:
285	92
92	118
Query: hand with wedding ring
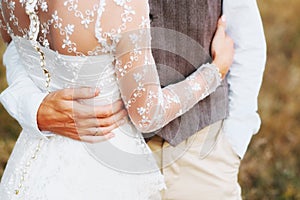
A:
61	113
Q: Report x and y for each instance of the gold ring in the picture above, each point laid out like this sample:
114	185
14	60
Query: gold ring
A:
97	132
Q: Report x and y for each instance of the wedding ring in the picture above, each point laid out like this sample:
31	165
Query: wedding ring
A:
97	132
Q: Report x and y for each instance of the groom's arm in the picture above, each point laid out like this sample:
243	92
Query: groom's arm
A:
15	98
245	76
27	103
22	98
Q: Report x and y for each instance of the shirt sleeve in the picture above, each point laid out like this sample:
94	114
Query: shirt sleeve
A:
244	26
149	106
22	98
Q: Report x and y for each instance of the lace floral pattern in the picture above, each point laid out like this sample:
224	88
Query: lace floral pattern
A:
149	106
129	40
118	31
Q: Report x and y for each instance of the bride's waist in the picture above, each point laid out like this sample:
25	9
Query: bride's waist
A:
109	89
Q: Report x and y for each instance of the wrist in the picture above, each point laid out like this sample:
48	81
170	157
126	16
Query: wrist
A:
216	65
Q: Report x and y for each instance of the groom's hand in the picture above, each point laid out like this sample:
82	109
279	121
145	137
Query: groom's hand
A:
62	114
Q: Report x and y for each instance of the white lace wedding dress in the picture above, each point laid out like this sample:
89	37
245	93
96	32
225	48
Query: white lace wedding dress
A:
104	44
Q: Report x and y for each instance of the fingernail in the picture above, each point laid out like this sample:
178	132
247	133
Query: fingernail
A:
223	18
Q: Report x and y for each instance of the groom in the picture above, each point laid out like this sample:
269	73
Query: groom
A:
200	153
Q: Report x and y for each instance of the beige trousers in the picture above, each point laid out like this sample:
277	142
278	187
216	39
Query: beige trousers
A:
204	167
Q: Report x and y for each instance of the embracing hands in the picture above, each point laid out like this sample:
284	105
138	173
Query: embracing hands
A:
222	48
61	113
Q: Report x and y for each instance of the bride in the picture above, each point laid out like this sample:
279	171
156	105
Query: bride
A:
106	45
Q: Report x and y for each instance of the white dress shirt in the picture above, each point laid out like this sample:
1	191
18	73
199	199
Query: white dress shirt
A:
22	98
244	26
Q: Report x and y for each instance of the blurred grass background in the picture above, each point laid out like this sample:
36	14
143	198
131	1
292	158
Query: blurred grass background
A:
271	168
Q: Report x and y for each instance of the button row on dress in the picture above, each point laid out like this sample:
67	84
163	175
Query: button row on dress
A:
33	34
27	167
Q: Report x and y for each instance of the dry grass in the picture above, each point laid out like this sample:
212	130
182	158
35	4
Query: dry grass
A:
9	128
271	168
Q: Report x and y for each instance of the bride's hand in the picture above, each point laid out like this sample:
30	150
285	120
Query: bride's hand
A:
222	48
62	114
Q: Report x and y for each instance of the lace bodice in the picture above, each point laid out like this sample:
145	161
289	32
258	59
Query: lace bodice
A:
120	28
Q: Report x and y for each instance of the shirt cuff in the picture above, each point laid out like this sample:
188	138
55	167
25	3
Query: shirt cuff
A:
29	109
25	112
239	132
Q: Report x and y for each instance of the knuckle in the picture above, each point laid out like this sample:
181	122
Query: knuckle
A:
76	137
78	123
76	114
57	93
77	131
65	93
63	105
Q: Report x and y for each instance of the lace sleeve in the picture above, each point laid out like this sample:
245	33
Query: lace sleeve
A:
149	106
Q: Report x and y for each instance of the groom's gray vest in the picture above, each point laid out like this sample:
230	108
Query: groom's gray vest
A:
196	19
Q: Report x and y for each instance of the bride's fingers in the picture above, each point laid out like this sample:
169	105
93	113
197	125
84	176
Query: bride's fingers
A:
97	139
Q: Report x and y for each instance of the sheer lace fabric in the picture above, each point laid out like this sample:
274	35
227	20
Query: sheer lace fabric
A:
120	28
71	43
116	34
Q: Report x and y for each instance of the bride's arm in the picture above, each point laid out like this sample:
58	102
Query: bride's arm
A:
149	106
